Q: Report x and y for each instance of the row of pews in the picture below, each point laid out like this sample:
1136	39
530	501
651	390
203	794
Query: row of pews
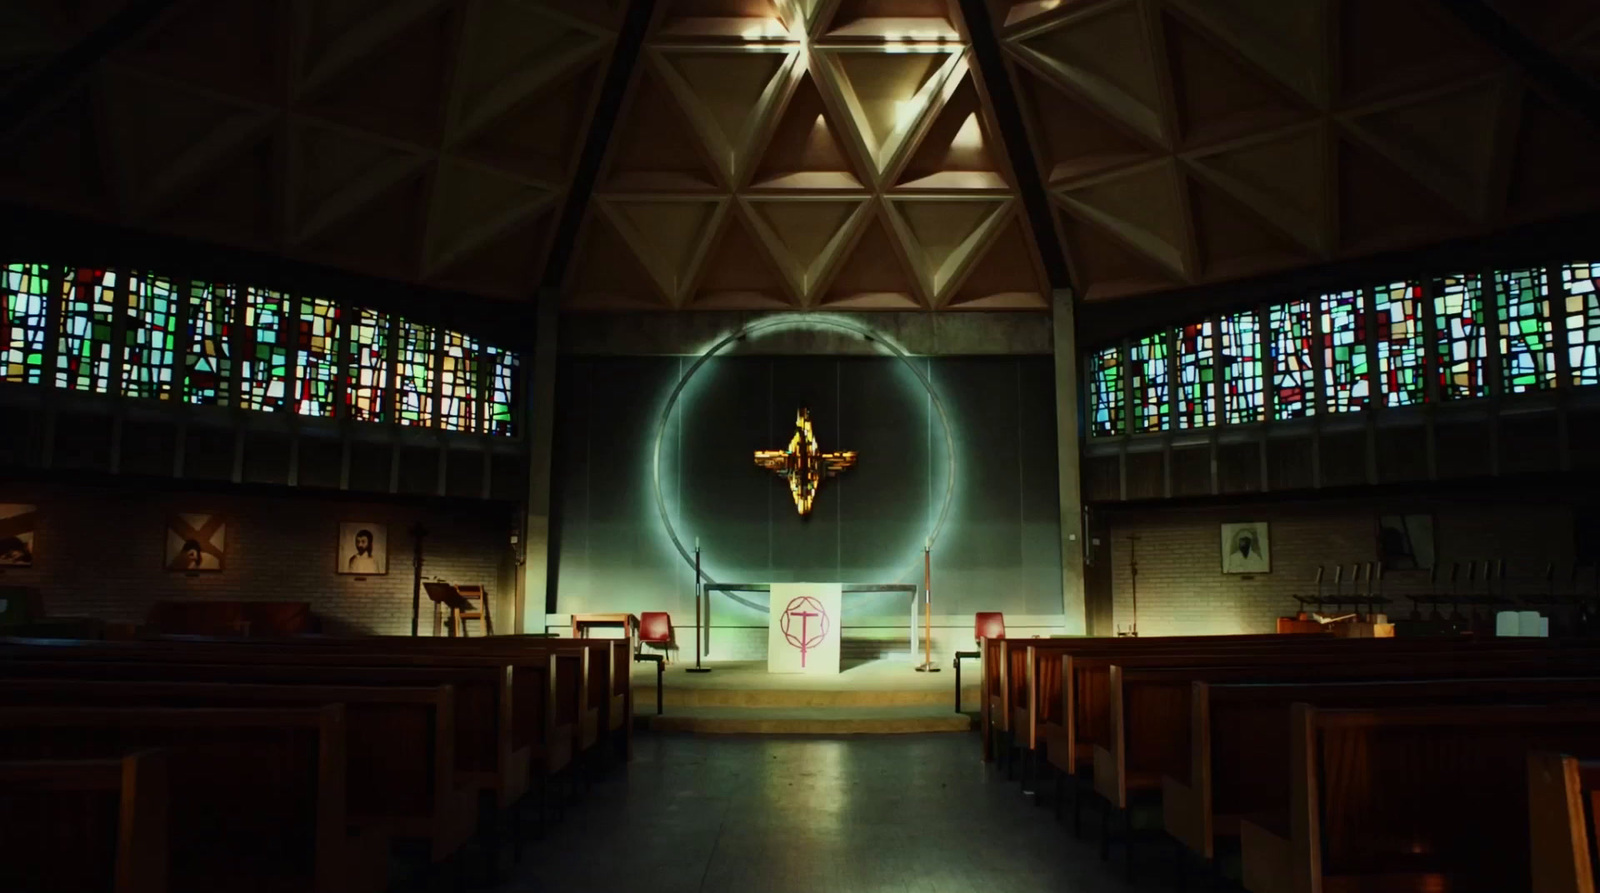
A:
303	764
1313	764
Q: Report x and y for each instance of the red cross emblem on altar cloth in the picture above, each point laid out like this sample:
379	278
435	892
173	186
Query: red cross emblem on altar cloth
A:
804	624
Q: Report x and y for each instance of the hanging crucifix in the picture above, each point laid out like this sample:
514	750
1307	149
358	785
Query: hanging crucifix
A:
803	463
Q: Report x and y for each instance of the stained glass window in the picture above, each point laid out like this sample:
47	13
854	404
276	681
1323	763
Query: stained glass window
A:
264	378
83	361
367	381
458	383
1580	282
1292	371
414	382
1460	337
24	322
1345	379
209	324
1527	357
149	336
500	401
1402	349
1151	383
316	357
1241	368
1106	393
1197	376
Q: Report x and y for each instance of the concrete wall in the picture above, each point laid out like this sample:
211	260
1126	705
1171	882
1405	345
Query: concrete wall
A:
999	550
100	552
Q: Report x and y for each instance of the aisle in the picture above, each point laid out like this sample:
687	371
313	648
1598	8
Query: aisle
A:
875	814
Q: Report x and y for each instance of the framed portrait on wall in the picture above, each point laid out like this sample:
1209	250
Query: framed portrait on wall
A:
363	548
1405	542
1246	548
18	524
196	541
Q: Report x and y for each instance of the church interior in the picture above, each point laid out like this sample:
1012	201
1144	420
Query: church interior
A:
800	445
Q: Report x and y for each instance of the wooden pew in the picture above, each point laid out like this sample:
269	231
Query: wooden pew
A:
1238	731
399	744
1561	820
71	826
485	755
257	796
1408	799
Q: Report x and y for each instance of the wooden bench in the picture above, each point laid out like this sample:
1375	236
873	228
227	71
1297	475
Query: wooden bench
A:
399	744
71	826
1408	799
257	796
1561	821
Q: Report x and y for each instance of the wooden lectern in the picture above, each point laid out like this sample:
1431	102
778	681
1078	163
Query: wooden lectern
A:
448	598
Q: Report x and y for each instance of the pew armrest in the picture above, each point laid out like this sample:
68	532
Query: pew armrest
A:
1184	816
1108	779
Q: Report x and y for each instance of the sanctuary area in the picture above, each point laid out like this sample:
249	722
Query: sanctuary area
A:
799	445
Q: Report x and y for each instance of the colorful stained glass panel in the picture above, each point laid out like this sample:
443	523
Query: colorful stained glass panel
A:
1241	368
1346	374
367	378
1106	395
414	380
501	399
24	322
1151	383
150	333
1461	340
1197	375
1402	348
316	357
264	378
1581	284
88	305
1527	349
458	383
208	360
1292	371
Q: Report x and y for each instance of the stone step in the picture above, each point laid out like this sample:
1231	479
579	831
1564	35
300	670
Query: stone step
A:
808	720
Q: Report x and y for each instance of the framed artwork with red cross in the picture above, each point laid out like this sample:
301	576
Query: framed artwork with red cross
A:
196	542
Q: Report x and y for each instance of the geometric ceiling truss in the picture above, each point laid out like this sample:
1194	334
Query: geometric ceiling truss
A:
1199	141
430	141
805	154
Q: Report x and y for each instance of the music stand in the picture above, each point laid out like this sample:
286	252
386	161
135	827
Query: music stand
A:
446	595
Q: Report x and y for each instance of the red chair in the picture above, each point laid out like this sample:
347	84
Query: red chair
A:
986	625
655	628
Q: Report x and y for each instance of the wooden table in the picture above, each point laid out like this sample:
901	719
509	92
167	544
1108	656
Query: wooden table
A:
582	622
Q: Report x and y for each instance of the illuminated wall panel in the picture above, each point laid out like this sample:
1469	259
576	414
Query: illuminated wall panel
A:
150	333
1197	375
1241	368
88	305
458	383
501	400
1581	284
24	322
264	378
1107	395
1461	339
208	357
316	357
1402	348
1151	384
414	380
1527	343
1345	367
1292	372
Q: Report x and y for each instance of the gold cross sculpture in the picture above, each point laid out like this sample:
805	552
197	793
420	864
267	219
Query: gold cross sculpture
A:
803	463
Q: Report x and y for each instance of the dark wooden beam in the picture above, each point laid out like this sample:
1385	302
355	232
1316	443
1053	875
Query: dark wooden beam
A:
1557	79
1008	116
624	56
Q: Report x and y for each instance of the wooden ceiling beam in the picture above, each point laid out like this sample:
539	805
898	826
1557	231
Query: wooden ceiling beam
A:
1554	77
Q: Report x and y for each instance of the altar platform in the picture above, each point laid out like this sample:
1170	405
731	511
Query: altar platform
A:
874	697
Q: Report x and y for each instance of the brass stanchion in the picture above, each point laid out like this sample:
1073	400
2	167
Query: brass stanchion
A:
928	666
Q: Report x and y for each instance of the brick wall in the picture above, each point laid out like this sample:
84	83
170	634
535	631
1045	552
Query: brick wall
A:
100	553
1182	590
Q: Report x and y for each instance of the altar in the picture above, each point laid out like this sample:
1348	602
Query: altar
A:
805	621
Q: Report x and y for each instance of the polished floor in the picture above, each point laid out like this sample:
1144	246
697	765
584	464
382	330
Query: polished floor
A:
871	814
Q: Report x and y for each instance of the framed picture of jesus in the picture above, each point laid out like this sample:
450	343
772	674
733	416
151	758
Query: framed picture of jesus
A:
196	542
1246	548
363	548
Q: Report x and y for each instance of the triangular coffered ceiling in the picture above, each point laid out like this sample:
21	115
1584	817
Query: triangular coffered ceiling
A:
840	154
